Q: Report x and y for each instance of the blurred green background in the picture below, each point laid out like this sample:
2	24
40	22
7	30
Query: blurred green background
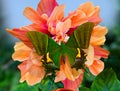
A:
11	16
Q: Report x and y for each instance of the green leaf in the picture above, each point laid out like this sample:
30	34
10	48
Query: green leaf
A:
88	78
106	81
48	84
83	34
84	89
25	87
39	41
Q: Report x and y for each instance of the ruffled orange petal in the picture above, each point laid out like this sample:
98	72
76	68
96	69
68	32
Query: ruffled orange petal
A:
34	16
36	27
90	56
33	27
21	34
23	67
35	58
77	18
73	85
35	74
57	14
46	6
32	70
22	52
60	76
101	52
91	11
87	8
63	27
68	70
95	16
98	35
96	67
62	89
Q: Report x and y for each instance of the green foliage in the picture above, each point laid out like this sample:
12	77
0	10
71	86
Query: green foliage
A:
87	79
84	89
105	81
48	84
16	86
25	87
6	79
113	45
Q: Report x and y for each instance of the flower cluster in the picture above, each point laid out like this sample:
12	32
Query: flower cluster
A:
64	46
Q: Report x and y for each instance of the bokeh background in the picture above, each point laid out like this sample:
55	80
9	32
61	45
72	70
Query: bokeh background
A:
11	17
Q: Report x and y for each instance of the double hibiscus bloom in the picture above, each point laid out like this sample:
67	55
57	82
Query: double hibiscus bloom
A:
49	19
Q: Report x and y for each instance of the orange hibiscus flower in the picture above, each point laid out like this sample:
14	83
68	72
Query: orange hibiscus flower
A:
95	52
31	67
49	19
70	77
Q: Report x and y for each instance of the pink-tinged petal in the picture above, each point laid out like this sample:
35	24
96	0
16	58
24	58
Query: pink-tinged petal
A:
101	52
96	67
91	11
87	8
23	67
99	31
36	27
95	16
71	30
57	14
90	56
77	18
33	74
97	41
22	52
21	55
34	16
65	71
63	27
21	34
33	27
68	70
46	6
45	16
35	58
62	89
98	35
73	85
60	76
